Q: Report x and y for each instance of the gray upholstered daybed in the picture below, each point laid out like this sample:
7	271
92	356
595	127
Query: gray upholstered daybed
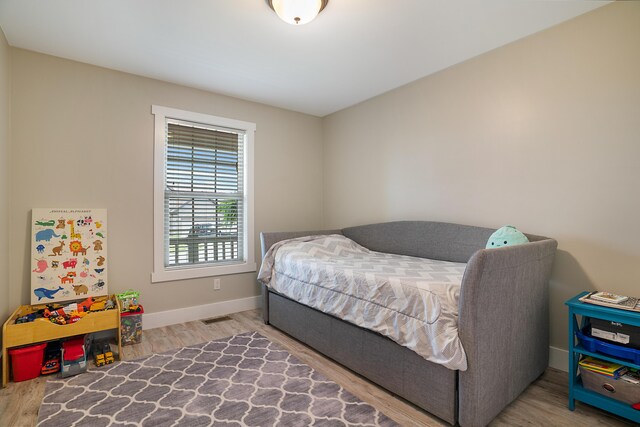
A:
502	320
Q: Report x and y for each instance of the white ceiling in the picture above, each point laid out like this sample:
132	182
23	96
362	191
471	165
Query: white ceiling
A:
354	50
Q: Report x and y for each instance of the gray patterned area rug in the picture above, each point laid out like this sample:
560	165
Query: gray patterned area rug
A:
244	380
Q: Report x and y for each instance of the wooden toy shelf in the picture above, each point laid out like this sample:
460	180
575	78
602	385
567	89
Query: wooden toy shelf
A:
41	330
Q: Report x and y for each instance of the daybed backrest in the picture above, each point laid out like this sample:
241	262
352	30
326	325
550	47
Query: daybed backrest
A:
425	239
267	239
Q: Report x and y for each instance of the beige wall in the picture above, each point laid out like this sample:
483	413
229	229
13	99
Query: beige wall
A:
5	137
83	137
543	134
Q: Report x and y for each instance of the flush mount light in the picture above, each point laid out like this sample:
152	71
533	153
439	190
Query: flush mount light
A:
297	12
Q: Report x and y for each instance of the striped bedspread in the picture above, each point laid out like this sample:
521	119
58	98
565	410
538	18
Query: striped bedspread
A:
413	301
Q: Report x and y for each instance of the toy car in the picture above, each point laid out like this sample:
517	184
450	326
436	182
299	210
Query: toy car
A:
102	354
59	320
51	358
51	366
134	308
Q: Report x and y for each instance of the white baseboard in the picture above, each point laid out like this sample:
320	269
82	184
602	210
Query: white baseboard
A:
559	358
206	311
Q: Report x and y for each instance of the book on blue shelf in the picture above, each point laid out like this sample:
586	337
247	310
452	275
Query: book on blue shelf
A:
603	367
607	299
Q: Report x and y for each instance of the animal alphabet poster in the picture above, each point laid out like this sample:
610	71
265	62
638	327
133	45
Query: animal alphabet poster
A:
69	254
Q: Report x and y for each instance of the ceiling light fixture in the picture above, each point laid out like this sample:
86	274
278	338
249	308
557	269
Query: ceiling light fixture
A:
297	12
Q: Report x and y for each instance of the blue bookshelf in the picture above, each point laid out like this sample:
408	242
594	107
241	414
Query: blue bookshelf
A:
578	309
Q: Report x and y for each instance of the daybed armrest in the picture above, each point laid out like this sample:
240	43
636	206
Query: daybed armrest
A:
504	326
267	239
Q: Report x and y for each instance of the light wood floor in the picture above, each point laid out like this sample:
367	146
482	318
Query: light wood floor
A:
542	404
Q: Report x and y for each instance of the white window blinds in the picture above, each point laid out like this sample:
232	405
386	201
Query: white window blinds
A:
204	200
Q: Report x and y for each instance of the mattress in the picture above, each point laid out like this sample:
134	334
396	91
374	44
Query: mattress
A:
413	301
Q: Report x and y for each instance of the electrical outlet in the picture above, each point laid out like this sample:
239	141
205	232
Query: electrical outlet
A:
216	284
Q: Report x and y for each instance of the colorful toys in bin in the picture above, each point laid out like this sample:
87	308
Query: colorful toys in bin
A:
71	313
30	317
130	317
131	326
27	318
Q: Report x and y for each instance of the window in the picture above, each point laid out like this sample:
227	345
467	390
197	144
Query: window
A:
203	194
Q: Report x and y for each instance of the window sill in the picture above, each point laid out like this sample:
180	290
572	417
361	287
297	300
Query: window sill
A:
196	272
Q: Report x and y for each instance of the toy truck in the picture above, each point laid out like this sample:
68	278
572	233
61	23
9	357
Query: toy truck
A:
108	354
98	358
102	354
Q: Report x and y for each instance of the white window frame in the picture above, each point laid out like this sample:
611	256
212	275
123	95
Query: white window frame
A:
161	273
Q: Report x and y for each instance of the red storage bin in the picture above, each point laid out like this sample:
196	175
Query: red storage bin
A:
26	362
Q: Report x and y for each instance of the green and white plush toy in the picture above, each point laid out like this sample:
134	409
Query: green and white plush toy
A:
506	236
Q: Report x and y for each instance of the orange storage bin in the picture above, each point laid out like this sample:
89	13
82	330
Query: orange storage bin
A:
26	362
